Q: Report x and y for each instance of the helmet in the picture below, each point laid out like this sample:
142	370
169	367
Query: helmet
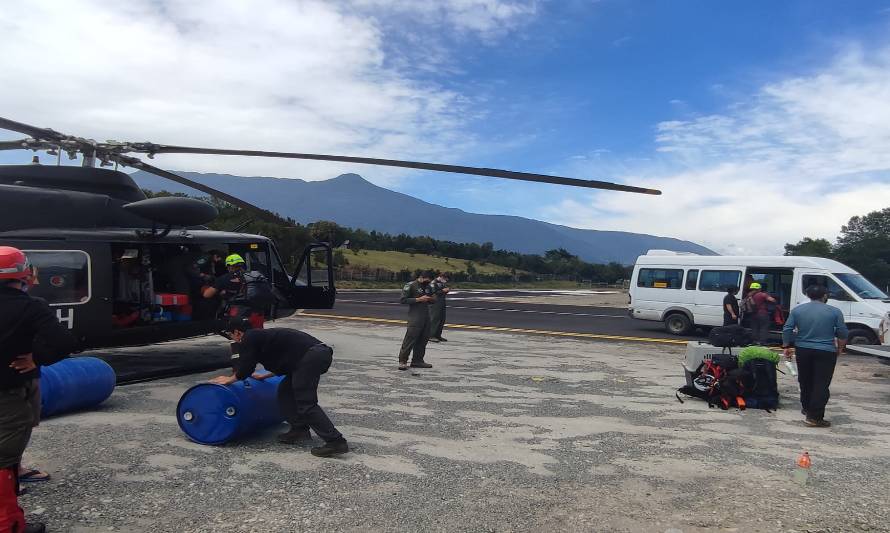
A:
755	285
14	264
234	259
239	324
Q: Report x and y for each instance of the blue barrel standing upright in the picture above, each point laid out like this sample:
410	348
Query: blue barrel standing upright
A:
215	414
75	383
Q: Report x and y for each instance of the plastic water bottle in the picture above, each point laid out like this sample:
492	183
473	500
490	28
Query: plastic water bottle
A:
802	473
792	367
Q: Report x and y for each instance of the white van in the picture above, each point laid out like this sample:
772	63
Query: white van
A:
685	290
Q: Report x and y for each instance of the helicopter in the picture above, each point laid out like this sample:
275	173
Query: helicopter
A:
118	267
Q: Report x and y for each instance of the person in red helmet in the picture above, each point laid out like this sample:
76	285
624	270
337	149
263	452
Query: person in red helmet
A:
30	336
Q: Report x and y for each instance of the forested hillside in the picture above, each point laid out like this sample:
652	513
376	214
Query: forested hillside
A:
465	261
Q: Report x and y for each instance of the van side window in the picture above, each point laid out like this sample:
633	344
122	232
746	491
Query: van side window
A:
835	292
719	280
659	278
691	279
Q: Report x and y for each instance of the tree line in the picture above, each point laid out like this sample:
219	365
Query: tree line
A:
559	261
292	237
863	244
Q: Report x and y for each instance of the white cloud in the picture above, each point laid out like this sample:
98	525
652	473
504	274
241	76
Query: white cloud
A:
301	75
488	18
618	43
798	159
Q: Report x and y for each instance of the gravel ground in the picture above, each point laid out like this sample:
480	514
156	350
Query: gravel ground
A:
506	433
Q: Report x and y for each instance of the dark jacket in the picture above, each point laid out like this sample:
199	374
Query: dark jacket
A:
231	286
436	287
418	312
278	350
28	325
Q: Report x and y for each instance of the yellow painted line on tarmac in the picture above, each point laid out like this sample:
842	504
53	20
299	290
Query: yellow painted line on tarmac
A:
502	329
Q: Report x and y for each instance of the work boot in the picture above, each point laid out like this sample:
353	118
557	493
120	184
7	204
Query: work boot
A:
335	447
295	436
35	527
420	364
813	423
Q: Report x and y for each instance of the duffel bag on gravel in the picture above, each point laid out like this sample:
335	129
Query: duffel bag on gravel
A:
729	336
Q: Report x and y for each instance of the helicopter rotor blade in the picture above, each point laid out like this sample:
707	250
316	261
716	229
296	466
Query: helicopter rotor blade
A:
21	144
139	164
457	169
33	131
116	150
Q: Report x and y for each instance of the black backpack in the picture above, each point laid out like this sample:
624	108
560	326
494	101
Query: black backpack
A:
761	388
257	290
729	336
707	378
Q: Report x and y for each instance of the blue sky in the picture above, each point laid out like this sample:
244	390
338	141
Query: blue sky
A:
743	112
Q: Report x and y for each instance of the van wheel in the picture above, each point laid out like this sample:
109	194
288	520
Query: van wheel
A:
677	324
861	336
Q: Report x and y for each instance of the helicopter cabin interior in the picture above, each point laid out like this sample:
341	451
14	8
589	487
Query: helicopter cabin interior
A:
160	284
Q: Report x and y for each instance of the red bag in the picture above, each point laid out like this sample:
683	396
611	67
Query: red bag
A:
779	317
12	518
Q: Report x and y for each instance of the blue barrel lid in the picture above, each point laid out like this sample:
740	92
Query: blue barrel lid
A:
208	413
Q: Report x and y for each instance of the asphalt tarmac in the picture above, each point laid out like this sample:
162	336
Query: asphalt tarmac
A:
488	309
511	311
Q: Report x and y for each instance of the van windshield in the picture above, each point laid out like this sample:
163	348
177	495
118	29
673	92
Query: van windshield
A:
862	287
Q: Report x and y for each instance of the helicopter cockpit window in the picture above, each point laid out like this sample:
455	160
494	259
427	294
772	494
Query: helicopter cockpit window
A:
279	273
258	260
314	269
63	277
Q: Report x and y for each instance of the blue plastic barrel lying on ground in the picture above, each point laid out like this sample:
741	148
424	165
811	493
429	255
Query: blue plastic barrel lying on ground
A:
215	414
75	383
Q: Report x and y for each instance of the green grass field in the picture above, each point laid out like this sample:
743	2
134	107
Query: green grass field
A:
396	261
564	285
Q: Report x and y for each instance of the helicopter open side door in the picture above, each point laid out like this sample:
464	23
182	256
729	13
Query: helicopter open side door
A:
312	285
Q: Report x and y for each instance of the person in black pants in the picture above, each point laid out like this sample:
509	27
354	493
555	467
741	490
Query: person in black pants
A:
30	337
731	307
302	359
819	335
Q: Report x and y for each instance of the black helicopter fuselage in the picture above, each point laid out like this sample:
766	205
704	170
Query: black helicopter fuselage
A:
111	262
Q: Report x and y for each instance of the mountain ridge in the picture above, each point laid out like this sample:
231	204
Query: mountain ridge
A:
350	200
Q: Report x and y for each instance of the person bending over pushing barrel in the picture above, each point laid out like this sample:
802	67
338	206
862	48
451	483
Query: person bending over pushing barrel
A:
303	359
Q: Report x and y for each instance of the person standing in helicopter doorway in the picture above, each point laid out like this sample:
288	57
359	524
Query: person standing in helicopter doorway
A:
439	288
232	287
417	295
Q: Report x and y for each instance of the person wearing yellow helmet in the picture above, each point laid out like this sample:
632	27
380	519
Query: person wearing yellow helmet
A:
229	284
232	288
235	261
757	306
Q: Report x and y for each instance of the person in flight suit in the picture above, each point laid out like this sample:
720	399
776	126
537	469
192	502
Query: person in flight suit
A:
417	295
303	359
30	336
439	288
